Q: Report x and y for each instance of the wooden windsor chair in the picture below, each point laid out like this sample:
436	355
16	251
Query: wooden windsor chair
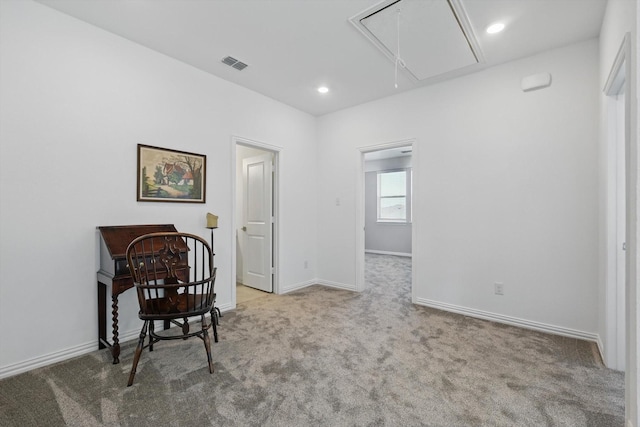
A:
174	277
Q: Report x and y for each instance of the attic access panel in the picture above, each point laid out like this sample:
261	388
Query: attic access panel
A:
435	36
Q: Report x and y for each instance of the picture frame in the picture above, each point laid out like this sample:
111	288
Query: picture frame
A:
166	175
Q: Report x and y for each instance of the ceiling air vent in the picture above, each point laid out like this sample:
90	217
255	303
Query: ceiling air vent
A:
233	62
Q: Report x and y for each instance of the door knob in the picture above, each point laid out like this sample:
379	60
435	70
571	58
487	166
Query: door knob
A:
244	228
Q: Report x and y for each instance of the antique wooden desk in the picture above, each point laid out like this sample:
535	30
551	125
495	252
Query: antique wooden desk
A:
114	272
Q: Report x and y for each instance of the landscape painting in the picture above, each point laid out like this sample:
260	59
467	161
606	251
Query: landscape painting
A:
166	175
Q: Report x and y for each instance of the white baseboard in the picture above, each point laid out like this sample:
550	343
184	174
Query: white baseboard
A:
337	285
132	334
508	320
58	356
297	286
601	350
71	352
48	359
371	251
225	307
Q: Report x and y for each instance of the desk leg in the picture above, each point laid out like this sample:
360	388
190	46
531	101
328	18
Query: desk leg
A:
102	315
102	322
115	349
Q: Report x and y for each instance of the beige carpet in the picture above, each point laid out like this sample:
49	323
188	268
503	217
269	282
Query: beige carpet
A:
327	357
245	293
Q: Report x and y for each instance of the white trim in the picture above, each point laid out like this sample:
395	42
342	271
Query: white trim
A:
65	354
615	79
255	144
337	285
130	335
509	320
359	211
622	77
406	196
387	145
226	307
373	251
277	152
313	282
392	222
298	286
619	73
49	359
472	38
360	221
75	351
600	345
461	17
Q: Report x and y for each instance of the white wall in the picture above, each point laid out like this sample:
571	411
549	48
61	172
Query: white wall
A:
506	191
75	102
508	184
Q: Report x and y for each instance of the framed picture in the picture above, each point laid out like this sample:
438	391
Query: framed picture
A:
166	175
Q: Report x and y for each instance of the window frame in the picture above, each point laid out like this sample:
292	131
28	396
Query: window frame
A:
406	196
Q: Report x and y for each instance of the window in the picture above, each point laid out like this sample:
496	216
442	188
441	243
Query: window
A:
393	188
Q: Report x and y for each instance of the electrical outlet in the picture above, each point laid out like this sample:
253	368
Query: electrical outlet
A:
499	288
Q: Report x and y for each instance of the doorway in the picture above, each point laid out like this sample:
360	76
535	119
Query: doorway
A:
255	218
386	198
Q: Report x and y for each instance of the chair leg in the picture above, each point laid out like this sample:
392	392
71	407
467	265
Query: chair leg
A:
214	323
151	329
207	344
139	348
185	327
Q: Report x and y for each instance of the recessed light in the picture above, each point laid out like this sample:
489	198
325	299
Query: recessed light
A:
323	89
495	28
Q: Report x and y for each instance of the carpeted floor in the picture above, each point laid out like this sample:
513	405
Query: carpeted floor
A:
245	293
327	357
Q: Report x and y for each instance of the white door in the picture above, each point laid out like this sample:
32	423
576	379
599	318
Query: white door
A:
257	228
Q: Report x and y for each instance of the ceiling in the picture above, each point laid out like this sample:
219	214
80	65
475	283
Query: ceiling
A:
293	46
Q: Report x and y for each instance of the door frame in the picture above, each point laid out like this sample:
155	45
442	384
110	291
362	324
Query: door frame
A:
617	83
275	237
360	210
